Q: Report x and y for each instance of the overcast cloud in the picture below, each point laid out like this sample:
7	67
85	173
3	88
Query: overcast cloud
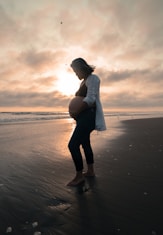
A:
39	39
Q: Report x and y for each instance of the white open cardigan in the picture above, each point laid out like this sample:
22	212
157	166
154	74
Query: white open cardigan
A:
93	96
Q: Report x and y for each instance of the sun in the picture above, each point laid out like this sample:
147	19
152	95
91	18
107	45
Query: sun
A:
67	83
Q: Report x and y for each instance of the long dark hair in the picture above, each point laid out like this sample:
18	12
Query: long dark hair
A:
81	64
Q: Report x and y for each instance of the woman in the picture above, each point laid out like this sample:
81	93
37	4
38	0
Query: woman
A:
90	117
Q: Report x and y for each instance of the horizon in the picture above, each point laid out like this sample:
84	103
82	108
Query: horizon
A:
30	110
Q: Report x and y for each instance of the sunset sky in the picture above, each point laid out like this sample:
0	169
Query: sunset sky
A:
40	38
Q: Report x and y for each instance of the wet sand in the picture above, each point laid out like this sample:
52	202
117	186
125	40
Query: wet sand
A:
124	198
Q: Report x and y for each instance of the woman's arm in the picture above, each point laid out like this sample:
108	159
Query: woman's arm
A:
93	84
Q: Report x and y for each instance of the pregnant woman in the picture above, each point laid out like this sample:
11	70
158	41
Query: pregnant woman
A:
86	109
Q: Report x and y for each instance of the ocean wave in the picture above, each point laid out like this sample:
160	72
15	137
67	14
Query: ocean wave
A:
16	117
10	117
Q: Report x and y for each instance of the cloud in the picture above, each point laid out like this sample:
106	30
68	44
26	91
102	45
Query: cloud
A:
117	78
8	27
132	88
40	60
33	99
131	33
122	38
143	76
133	100
44	84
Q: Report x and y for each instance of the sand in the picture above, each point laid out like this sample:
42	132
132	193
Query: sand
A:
124	198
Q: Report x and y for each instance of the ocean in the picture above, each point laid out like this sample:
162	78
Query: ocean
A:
36	165
20	117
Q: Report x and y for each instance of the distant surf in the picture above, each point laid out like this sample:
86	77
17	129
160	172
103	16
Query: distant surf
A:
16	117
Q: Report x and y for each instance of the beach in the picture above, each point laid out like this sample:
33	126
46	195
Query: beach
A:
124	198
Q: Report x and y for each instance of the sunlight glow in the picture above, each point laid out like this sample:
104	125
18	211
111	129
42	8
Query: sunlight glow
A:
67	83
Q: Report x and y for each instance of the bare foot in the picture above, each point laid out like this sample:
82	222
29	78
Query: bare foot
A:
90	171
89	174
76	181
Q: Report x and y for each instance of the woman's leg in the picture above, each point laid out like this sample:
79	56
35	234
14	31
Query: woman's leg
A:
74	147
86	144
89	156
87	149
81	135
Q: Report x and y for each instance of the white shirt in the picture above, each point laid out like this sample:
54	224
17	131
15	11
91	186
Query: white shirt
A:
93	96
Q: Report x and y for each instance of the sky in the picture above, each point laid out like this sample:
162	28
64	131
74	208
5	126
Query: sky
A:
39	39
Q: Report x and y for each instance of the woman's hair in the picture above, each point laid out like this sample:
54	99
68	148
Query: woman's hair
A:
81	64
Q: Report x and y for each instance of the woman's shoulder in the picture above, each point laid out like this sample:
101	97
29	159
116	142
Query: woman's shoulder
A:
93	77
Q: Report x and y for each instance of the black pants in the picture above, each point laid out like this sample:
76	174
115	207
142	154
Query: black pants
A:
85	124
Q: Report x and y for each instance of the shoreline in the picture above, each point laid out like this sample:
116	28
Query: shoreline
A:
124	198
31	117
